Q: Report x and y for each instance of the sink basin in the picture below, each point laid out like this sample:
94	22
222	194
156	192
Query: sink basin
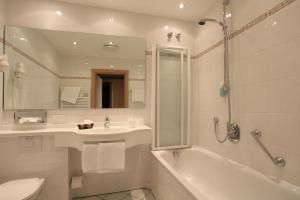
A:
131	136
102	130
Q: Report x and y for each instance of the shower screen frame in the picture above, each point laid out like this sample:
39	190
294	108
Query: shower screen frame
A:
185	131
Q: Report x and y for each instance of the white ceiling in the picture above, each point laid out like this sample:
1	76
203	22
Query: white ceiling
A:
192	11
92	45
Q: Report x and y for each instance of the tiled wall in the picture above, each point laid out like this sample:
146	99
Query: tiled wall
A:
79	18
3	7
96	20
24	92
88	19
47	161
265	78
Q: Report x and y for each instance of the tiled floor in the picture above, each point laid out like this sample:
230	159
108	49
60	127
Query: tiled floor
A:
142	194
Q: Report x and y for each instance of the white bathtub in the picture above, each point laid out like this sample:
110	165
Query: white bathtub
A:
200	174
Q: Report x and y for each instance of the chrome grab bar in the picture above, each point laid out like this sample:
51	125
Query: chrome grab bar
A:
278	161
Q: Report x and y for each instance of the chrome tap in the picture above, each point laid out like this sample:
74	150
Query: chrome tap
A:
107	122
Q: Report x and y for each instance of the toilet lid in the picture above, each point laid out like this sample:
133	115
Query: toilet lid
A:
20	189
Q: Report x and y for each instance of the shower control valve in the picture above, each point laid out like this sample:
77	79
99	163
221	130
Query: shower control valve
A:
234	133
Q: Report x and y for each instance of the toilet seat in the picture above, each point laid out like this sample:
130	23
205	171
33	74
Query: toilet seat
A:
23	189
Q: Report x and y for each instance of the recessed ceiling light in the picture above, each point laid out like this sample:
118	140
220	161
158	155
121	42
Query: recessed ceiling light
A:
111	19
75	43
59	13
86	63
181	5
166	27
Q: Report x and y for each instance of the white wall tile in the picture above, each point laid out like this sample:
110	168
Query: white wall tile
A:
264	64
51	163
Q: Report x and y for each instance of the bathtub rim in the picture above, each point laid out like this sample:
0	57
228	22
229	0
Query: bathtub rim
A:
247	169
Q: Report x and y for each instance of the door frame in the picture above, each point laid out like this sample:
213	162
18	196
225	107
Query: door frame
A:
94	72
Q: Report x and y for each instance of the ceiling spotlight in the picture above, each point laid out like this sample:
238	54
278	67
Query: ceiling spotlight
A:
111	19
166	27
110	44
228	15
75	43
181	5
59	13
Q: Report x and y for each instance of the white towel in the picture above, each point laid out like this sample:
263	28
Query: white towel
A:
70	94
111	157
138	95
89	157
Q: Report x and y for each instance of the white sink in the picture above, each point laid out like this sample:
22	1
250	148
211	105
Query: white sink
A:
98	134
70	136
102	130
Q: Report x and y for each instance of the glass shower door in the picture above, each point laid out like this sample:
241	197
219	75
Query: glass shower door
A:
172	69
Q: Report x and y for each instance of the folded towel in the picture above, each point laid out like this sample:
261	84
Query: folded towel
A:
89	157
111	157
70	94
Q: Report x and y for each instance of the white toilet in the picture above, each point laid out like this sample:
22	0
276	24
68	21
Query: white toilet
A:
22	189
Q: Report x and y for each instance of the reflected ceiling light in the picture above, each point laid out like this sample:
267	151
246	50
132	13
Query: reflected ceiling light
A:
274	23
181	5
23	39
111	66
59	13
86	63
166	27
110	44
111	19
75	43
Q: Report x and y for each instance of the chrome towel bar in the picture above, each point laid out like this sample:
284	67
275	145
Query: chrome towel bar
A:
97	142
278	161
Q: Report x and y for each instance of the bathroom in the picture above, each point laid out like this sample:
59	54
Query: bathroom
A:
149	100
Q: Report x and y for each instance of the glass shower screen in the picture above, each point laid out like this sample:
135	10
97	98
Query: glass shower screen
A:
172	69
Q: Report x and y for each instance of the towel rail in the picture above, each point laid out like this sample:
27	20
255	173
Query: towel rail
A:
98	142
278	161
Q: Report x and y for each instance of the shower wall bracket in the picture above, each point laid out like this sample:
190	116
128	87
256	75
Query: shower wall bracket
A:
278	161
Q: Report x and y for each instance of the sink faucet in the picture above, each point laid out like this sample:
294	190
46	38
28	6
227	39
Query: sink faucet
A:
107	122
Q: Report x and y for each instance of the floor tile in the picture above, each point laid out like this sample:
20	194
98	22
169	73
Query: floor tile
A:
140	194
114	196
149	197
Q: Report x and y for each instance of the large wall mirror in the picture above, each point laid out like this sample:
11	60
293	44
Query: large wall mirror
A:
66	70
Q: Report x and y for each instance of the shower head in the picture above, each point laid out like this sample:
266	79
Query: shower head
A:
204	20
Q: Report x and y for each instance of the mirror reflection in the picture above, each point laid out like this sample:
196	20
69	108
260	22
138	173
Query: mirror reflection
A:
55	69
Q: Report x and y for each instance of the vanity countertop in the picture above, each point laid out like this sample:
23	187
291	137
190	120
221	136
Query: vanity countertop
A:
50	129
68	135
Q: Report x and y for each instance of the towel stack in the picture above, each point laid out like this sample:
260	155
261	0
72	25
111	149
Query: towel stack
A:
103	157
